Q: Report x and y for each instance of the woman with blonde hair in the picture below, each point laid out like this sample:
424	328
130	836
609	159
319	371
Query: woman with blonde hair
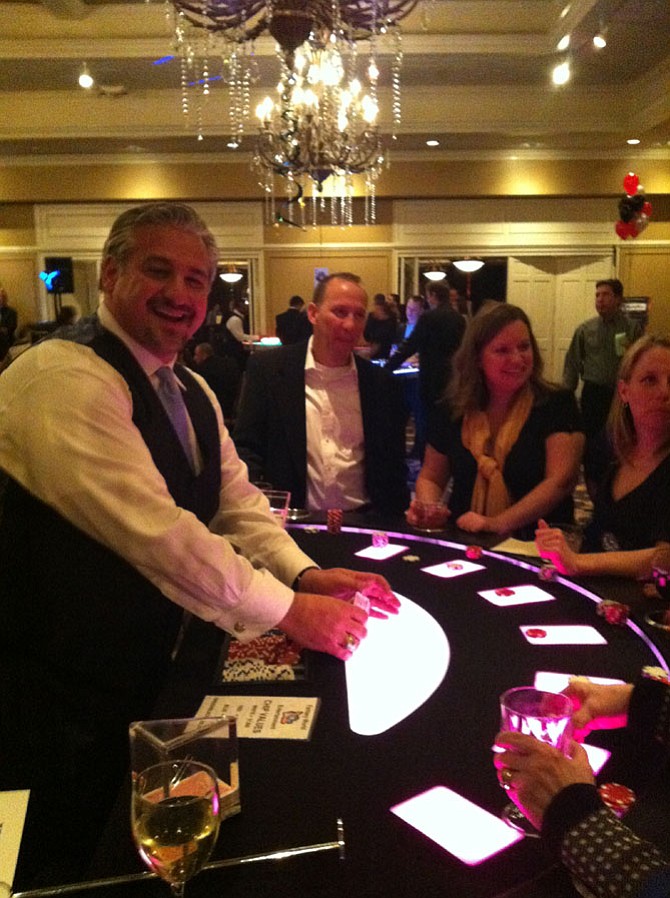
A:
511	441
630	530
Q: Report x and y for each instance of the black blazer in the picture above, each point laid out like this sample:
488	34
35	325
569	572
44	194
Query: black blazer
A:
271	433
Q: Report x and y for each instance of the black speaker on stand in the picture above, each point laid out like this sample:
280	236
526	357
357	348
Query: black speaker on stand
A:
63	280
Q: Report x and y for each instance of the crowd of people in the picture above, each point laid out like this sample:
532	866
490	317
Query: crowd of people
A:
131	502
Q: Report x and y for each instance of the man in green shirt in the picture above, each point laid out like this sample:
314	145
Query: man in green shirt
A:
594	355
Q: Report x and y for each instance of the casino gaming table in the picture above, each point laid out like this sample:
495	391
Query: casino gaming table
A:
293	792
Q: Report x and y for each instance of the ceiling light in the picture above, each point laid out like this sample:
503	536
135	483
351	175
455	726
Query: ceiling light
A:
599	40
633	141
231	275
432	143
561	73
85	78
564	43
435	274
468	266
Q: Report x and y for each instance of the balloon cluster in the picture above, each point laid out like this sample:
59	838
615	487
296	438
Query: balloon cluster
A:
634	209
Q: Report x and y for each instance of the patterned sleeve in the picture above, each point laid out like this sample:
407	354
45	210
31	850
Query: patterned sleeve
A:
611	861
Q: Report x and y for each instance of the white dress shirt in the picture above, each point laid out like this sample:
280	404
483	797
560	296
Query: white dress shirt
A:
67	436
335	442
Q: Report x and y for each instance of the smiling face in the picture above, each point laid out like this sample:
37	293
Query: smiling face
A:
338	322
507	360
647	393
159	293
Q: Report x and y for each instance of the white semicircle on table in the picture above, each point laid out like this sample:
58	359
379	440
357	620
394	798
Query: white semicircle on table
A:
395	669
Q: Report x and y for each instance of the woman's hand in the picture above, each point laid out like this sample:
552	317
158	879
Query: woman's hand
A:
537	771
476	523
597	707
552	545
430	515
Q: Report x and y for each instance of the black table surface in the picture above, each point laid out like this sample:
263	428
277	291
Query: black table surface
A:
293	792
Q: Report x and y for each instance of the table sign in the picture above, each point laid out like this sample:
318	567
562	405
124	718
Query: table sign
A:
265	716
518	547
13	806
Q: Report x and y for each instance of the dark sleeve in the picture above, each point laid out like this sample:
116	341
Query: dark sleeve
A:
250	434
605	855
649	712
386	467
442	431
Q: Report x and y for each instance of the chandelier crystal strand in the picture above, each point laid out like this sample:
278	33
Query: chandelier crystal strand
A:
395	81
323	123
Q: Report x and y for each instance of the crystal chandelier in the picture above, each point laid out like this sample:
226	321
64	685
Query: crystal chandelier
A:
323	123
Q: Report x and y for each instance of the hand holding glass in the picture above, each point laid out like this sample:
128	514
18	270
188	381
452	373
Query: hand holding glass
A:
545	716
175	819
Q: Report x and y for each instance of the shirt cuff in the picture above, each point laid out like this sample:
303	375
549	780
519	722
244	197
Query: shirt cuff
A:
566	810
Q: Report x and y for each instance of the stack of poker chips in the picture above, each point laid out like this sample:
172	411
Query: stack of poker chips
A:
616	797
380	539
614	612
334	518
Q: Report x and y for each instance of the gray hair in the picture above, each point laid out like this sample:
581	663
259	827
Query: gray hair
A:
121	239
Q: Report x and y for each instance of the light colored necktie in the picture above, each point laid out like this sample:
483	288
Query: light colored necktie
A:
170	395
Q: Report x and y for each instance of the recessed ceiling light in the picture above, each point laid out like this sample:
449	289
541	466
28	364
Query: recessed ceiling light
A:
564	43
561	73
432	143
599	41
85	78
633	141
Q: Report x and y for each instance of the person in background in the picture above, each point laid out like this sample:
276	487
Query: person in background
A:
594	354
322	423
8	323
381	327
413	311
510	440
631	520
436	337
613	858
292	326
459	303
125	504
233	341
222	375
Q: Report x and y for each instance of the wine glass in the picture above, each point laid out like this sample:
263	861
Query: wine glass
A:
544	715
175	819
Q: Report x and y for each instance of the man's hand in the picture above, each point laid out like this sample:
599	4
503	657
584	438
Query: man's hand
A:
475	523
537	771
325	624
344	584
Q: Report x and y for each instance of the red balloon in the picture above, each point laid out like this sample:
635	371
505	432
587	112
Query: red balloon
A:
621	227
646	209
630	183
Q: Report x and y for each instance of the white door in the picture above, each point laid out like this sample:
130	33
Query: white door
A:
557	293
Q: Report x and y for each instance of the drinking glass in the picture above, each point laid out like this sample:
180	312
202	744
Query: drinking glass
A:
431	516
545	716
279	501
175	819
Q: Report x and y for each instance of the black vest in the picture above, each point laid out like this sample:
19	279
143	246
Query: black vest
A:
73	608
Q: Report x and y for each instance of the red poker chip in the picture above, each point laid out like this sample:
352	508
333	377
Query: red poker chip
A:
536	633
473	552
504	591
616	797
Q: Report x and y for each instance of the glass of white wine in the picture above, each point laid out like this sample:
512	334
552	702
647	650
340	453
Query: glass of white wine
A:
175	819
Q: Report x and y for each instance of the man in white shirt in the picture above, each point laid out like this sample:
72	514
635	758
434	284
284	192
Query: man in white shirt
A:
115	521
322	423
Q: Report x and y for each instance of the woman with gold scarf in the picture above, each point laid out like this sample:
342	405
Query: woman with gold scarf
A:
511	441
